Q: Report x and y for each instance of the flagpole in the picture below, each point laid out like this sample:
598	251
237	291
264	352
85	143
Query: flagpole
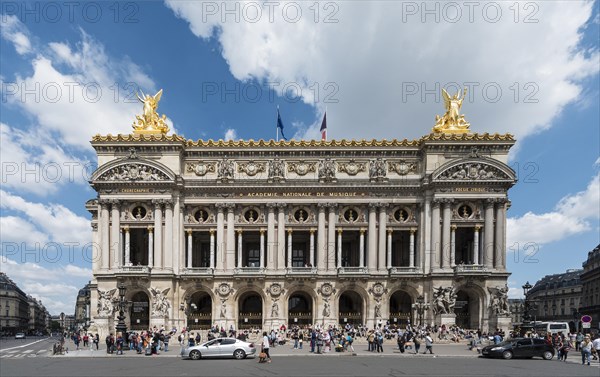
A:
276	125
326	131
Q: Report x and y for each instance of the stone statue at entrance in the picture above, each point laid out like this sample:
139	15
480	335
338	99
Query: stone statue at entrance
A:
275	310
377	308
499	300
326	308
444	300
223	307
105	307
160	303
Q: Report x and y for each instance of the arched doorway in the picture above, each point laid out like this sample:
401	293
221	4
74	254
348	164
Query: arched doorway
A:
199	311
350	309
139	313
467	310
400	309
250	311
300	310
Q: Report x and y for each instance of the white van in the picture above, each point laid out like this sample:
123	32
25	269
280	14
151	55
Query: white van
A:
544	328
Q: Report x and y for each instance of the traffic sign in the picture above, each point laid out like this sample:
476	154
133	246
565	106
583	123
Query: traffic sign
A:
586	319
586	325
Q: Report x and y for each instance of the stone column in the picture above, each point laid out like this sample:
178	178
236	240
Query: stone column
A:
281	236
262	248
372	238
435	234
339	248
425	236
382	238
452	246
361	248
271	244
500	241
230	243
321	237
446	218
104	230
158	233
127	246
168	261
220	262
177	234
189	248
331	260
212	248
115	236
239	248
150	246
411	247
289	248
312	247
476	245
389	249
488	234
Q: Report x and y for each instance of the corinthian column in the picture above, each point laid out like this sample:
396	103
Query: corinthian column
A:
158	232
220	262
339	248
115	234
271	243
446	242
372	238
331	238
127	246
150	246
499	262
239	249
382	239
230	255
361	248
389	249
281	236
289	249
262	248
190	246
435	234
412	247
104	231
476	245
312	247
488	235
212	248
168	261
321	237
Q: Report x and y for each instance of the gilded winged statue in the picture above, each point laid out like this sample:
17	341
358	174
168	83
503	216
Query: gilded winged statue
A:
150	122
452	121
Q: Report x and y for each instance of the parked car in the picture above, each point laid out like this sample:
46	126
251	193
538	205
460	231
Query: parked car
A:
520	348
20	335
221	347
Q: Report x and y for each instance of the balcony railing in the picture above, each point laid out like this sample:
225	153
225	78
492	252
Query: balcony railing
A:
470	268
130	269
301	270
353	270
249	271
198	271
403	270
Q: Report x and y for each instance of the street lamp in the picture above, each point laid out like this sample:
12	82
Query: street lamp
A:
420	306
121	326
526	287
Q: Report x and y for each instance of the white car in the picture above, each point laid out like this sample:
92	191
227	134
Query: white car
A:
221	347
20	335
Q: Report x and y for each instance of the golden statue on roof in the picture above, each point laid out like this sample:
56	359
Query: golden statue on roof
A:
452	121
150	123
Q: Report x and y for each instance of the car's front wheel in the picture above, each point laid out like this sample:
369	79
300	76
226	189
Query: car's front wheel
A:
195	355
547	355
507	355
239	354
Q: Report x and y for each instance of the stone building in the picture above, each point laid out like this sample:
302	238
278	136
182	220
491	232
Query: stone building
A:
590	282
37	316
556	298
82	307
264	233
14	307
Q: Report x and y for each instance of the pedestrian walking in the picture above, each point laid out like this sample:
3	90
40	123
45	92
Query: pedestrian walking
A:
265	347
97	341
586	350
596	347
417	343
428	344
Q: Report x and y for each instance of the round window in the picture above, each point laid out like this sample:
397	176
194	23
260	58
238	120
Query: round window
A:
251	215
201	215
351	215
401	215
139	212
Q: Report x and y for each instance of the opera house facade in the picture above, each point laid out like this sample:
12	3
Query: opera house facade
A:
264	233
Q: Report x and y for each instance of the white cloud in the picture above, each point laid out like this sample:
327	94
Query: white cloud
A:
57	222
16	229
12	30
230	134
371	63
570	216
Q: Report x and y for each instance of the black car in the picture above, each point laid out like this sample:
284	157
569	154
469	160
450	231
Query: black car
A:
520	347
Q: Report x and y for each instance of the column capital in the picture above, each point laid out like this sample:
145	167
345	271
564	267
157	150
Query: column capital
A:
125	229
373	206
501	201
489	202
188	231
435	203
312	230
413	230
220	206
104	203
271	206
453	227
390	231
150	228
477	228
114	202
157	202
447	202
168	203
383	206
230	207
289	230
332	206
262	231
281	205
340	230
362	231
211	231
239	231
322	206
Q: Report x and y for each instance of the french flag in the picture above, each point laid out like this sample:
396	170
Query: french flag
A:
324	127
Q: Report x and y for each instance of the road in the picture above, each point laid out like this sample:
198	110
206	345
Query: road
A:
292	366
33	346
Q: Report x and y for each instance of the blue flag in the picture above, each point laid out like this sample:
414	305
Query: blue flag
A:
280	125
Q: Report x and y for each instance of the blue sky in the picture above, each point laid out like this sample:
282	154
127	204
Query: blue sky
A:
377	67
